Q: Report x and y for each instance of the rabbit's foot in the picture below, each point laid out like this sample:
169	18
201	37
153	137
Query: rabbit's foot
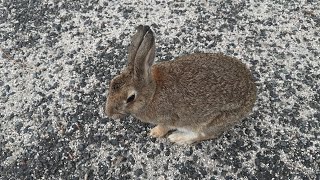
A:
183	137
159	131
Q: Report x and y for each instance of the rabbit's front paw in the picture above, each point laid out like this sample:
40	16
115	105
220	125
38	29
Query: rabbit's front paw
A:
183	137
159	131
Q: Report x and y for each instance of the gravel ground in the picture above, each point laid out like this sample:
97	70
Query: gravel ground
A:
57	58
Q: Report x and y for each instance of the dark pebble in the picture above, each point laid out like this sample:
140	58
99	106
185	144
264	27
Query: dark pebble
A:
50	97
144	150
83	83
69	62
103	25
58	69
131	160
239	143
161	146
29	114
195	158
114	142
7	88
12	93
4	99
41	94
137	129
50	129
203	171
72	82
46	112
153	139
188	152
11	116
53	86
167	153
157	152
198	146
166	167
138	172
3	15
247	131
151	155
284	143
81	147
45	124
1	139
11	140
18	126
97	138
103	120
35	75
27	129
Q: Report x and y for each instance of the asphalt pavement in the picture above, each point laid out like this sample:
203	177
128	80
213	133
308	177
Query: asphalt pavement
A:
58	57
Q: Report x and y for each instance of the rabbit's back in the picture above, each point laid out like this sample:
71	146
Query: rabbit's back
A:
203	84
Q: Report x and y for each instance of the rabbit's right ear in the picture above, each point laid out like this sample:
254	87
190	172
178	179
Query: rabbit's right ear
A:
144	58
141	54
136	41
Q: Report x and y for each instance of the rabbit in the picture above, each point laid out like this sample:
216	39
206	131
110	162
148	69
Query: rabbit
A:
200	95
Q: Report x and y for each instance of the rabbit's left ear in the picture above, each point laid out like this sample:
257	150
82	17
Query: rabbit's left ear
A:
145	58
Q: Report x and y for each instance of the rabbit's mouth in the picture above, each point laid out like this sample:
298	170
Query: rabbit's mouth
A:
113	113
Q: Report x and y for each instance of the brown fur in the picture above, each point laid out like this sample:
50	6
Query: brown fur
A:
202	94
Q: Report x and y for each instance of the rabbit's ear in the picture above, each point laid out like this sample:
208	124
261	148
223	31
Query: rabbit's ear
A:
145	58
136	41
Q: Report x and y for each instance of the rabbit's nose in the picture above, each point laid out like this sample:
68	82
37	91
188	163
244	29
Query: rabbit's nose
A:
110	110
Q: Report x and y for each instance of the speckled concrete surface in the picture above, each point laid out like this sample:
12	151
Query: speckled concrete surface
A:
57	58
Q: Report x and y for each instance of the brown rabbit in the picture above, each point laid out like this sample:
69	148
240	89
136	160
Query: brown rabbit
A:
200	95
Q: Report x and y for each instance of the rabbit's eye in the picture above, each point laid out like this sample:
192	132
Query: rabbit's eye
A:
131	98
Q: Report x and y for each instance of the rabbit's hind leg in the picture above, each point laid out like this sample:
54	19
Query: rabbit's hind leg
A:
220	124
183	136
